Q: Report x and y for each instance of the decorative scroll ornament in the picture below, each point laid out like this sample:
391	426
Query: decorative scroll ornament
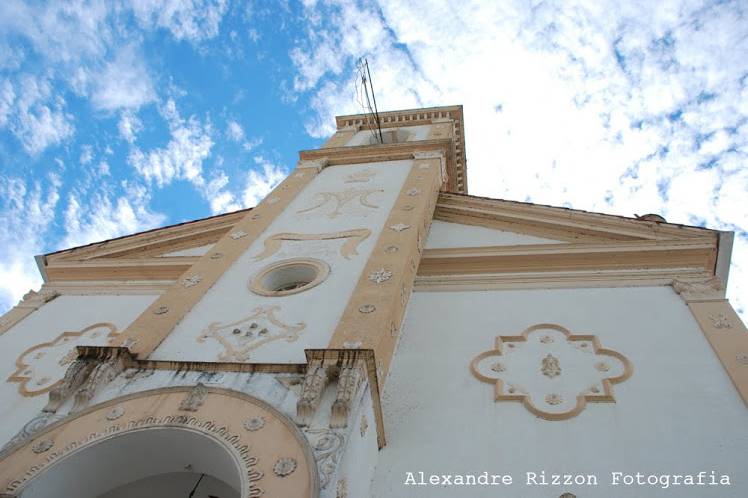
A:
708	289
42	367
379	276
243	336
327	445
340	200
354	238
550	392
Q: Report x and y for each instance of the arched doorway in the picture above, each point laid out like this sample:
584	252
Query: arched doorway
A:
167	462
229	444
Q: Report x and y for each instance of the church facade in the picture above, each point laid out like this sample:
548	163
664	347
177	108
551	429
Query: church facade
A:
371	330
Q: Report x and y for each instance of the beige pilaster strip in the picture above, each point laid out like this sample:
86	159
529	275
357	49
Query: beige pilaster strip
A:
722	327
144	335
375	310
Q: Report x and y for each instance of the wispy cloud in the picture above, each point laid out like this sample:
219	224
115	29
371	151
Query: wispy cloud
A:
192	20
260	182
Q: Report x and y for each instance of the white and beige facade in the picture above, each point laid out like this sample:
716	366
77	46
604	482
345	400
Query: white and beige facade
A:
367	321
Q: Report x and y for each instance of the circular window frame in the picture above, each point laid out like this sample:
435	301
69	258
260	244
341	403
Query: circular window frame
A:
258	283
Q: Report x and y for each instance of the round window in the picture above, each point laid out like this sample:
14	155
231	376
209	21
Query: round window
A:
289	276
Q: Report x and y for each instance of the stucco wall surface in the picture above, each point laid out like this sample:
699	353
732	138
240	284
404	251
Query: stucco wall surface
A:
677	414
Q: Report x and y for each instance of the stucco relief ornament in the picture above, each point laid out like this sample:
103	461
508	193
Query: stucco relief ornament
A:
284	466
399	227
241	337
194	399
216	255
253	424
38	368
720	321
367	308
352	344
550	366
42	446
413	192
191	281
583	367
379	276
362	176
327	445
238	234
341	200
161	310
115	413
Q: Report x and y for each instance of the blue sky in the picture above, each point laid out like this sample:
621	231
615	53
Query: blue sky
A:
117	117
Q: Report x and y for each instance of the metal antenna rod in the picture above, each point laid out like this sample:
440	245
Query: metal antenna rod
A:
376	111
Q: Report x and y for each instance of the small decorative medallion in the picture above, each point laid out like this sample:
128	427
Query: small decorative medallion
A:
216	255
408	207
366	308
498	367
284	466
238	234
161	310
191	281
550	366
546	339
273	200
256	216
414	192
253	424
391	249
742	358
364	425
115	413
601	366
399	227
554	399
379	276
42	446
352	344
720	321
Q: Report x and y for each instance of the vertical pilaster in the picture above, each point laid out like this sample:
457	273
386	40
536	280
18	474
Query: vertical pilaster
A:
721	326
144	335
374	313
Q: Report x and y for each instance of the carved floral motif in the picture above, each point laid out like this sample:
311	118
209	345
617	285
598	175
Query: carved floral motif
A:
191	281
243	336
720	321
399	227
379	276
38	368
588	373
284	466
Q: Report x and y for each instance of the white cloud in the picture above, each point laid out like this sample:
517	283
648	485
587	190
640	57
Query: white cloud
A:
193	20
260	182
124	82
234	131
129	125
86	154
183	156
615	107
100	217
27	213
34	114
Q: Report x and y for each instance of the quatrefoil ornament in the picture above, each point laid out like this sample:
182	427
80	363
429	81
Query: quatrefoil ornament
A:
553	372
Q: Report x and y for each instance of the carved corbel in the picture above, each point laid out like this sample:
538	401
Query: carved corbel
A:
315	380
711	289
75	375
102	374
349	380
